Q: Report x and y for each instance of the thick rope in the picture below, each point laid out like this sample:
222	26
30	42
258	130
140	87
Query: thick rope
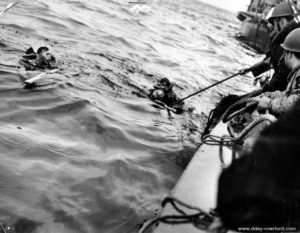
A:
201	219
261	118
236	104
214	140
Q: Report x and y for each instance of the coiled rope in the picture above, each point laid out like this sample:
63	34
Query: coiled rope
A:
261	118
225	116
201	219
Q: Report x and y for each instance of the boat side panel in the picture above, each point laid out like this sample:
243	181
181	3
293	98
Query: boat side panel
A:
198	184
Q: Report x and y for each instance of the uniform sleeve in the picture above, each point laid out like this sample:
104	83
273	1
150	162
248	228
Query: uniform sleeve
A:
261	67
282	104
274	94
279	80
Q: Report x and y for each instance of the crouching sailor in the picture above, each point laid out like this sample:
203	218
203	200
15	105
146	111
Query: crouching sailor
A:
278	102
163	92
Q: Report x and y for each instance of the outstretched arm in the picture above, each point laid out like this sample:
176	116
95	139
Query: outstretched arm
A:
285	102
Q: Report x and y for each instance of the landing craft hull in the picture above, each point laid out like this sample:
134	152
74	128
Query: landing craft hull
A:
198	185
253	31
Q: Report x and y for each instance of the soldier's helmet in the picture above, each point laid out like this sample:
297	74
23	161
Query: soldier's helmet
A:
284	9
292	41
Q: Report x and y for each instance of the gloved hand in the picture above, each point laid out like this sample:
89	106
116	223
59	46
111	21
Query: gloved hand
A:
264	103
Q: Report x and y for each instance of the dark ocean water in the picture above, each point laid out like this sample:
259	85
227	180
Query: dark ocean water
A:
80	153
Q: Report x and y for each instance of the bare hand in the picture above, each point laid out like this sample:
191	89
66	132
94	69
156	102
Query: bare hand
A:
264	103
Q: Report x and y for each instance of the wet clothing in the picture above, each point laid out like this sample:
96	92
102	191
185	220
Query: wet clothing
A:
274	59
35	61
282	101
42	62
169	97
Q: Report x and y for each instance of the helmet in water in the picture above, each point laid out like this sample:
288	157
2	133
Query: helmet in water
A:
42	49
164	84
284	9
292	41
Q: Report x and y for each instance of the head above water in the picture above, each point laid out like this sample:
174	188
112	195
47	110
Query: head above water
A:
165	82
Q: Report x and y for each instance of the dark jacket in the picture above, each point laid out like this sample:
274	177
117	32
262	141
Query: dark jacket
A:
169	97
262	188
274	59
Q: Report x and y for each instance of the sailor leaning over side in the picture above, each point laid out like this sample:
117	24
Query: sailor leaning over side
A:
280	101
284	20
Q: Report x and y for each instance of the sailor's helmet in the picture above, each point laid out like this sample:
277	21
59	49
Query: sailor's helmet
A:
292	41
283	9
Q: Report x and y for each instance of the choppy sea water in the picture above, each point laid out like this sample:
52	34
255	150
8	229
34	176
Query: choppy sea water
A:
80	152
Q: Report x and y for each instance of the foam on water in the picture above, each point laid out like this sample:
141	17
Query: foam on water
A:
79	151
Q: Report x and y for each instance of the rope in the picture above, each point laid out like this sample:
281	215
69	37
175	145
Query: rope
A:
206	88
176	200
214	140
222	141
254	123
221	157
173	203
169	109
200	220
2	228
252	94
216	114
240	102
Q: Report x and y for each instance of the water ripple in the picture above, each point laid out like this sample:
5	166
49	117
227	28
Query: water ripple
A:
80	151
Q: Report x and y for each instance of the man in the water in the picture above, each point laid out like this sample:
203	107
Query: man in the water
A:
40	60
163	92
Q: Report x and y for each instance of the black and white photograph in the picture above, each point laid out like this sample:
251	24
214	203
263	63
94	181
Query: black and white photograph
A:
149	116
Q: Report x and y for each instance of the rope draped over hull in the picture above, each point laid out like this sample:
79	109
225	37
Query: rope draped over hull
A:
183	213
226	102
199	219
